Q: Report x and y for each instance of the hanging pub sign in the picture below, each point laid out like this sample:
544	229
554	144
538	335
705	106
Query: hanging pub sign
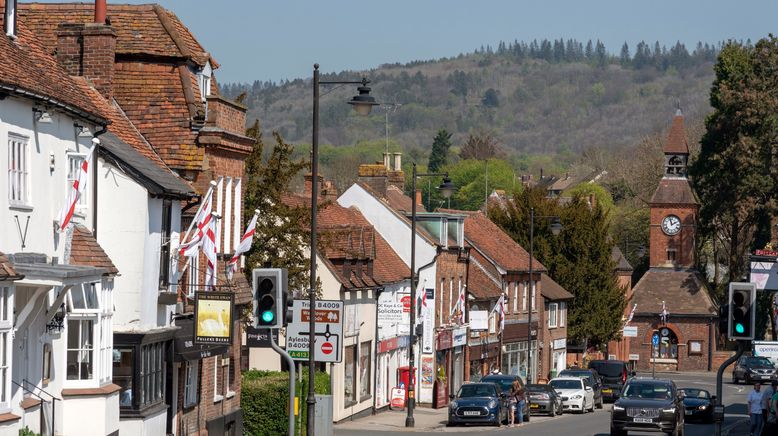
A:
213	317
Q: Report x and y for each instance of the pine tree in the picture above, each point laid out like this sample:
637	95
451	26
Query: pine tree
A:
439	154
624	56
589	51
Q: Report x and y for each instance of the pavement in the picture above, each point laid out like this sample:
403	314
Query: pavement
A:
433	421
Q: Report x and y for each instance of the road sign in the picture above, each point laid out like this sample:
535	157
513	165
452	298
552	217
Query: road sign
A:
406	301
655	339
630	331
328	346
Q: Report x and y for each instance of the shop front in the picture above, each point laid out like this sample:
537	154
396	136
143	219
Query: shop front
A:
558	356
484	358
515	353
458	344
392	354
444	367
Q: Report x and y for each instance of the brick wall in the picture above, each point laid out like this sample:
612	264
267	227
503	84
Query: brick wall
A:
683	242
546	336
226	114
686	330
448	268
88	50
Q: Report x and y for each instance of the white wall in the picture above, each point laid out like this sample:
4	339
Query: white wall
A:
150	426
103	413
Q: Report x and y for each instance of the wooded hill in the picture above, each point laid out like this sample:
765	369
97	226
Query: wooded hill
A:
555	98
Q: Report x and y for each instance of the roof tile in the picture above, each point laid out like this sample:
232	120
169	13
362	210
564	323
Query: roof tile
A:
86	251
676	139
683	292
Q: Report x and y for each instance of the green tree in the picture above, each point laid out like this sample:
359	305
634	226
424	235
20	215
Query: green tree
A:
579	259
624	56
601	195
281	238
470	178
491	98
439	154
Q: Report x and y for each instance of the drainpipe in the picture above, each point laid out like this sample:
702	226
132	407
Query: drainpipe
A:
96	143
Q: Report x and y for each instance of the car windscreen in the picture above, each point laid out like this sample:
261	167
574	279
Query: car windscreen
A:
468	391
566	384
647	391
606	369
505	384
759	362
695	393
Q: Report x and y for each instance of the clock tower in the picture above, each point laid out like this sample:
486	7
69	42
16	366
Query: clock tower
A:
673	207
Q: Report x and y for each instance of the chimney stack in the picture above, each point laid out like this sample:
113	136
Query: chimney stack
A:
309	185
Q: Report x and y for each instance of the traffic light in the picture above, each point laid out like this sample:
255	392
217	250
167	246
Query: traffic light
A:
742	311
269	297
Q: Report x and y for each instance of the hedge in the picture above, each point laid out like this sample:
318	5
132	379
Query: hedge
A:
265	400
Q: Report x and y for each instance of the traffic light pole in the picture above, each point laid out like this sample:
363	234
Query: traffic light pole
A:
290	363
718	405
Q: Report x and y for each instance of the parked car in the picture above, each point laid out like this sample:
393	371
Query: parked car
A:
577	395
544	399
614	374
697	404
751	369
594	381
648	404
478	403
505	382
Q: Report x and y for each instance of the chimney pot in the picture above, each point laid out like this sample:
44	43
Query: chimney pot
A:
100	8
387	161
419	201
398	161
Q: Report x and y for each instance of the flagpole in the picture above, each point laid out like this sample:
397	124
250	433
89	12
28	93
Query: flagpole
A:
175	253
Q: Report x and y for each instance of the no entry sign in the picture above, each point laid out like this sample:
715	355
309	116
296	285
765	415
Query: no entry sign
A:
326	348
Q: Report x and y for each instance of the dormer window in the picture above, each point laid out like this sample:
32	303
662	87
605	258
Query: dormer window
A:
9	23
204	80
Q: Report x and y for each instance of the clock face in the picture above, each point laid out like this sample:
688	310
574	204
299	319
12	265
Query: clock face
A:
671	225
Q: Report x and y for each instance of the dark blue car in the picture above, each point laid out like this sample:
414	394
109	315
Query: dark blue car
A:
697	404
478	403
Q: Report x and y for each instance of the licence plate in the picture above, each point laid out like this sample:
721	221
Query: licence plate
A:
534	406
606	391
644	420
687	412
471	413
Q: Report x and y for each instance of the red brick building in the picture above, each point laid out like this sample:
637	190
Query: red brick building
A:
672	285
150	66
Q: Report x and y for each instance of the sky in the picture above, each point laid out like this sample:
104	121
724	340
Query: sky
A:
282	39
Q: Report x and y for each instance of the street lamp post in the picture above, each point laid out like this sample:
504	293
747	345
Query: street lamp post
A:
446	188
362	103
556	227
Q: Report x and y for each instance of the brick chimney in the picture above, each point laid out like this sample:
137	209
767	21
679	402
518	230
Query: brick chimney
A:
89	50
329	191
309	185
419	201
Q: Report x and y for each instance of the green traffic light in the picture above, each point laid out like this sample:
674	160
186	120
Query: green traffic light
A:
267	316
739	328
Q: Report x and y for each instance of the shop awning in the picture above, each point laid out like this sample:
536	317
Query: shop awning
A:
186	349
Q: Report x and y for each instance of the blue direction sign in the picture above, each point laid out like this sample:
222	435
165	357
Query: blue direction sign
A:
655	339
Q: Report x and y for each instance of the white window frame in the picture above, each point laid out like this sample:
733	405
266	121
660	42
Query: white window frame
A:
524	286
216	395
492	322
229	393
72	156
6	350
191	378
106	332
562	313
79	320
204	80
450	295
237	198
219	210
534	291
228	216
19	175
101	347
515	295
552	315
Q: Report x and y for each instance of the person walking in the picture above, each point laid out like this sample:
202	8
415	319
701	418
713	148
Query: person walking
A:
755	410
512	400
767	396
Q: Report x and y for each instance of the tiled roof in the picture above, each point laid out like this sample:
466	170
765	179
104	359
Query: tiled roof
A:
552	290
399	201
488	238
673	191
480	284
618	258
27	69
140	29
7	271
86	251
676	139
683	292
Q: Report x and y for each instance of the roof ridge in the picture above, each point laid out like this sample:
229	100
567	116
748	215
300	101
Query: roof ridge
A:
165	20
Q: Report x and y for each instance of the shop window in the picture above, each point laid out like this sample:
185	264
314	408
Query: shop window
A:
364	371
349	377
552	315
191	377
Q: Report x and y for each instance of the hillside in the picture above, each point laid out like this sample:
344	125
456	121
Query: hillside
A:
536	98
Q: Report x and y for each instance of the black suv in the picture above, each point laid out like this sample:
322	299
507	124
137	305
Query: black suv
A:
648	404
594	381
752	369
614	374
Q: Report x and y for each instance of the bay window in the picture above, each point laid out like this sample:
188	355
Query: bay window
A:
88	350
139	368
80	349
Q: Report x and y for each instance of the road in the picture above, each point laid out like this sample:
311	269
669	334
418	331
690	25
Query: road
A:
597	424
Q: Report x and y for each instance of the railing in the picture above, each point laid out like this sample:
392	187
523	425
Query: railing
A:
33	390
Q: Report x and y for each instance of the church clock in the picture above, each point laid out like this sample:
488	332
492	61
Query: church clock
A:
671	225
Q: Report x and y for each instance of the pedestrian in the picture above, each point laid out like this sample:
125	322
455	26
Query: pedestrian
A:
767	396
755	410
521	401
774	408
512	400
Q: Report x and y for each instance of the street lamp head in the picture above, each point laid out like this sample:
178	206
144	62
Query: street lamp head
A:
641	250
447	188
556	226
363	102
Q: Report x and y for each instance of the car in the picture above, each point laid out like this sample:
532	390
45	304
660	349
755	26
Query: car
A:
648	405
697	404
544	399
614	374
577	395
751	369
594	381
505	382
478	403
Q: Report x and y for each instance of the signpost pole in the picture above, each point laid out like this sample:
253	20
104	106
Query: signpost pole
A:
654	345
291	364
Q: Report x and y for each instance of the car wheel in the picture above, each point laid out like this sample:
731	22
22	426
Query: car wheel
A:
592	406
560	410
600	403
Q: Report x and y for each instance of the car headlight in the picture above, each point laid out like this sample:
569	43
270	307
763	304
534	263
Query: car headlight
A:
670	410
492	404
703	407
617	408
576	397
453	404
